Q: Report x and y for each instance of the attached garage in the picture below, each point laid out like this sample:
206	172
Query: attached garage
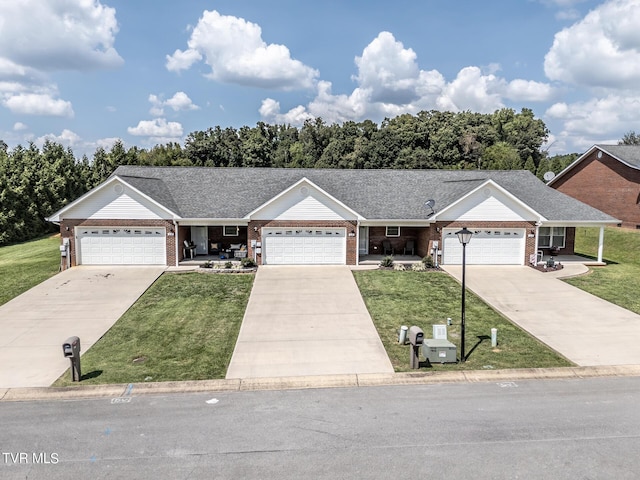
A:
304	246
121	246
497	246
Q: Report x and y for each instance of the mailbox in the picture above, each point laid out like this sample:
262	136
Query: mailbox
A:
416	335
71	347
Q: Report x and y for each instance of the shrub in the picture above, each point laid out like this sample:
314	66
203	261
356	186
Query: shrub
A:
428	261
399	266
228	265
418	267
248	262
387	261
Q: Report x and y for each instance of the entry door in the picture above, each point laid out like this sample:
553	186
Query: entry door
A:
200	236
363	242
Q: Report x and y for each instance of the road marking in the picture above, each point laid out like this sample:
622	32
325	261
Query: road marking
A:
507	385
121	400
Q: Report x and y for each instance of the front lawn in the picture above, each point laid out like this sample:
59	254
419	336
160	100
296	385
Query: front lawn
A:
183	328
427	298
619	281
27	264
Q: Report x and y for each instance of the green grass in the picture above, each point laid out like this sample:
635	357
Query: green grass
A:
619	281
26	265
428	298
183	328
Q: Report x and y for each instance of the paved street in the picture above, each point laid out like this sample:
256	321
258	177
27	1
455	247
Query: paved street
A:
535	429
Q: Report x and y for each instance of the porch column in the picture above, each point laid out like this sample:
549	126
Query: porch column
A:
600	244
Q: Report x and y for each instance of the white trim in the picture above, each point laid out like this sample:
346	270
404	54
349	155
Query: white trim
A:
490	182
224	231
386	231
55	218
297	184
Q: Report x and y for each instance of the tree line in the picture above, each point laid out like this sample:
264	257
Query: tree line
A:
35	182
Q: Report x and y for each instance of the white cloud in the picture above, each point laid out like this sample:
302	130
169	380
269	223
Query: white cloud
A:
19	126
600	51
58	34
158	127
597	117
179	102
67	138
236	53
38	104
390	83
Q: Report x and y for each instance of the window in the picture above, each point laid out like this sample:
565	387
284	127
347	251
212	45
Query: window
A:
231	231
551	237
393	231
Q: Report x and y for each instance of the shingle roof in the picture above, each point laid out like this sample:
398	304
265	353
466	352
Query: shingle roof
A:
207	192
629	154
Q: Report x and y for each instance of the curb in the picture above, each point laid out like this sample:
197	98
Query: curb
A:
121	391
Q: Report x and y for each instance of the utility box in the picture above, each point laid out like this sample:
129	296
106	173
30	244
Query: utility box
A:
439	351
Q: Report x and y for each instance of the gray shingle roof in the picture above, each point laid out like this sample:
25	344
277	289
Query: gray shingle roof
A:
629	154
203	192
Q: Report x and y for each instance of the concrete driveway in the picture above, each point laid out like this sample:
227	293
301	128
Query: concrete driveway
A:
82	301
585	329
306	320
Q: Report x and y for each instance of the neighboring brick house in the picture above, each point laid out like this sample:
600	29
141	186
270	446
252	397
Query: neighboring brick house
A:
606	177
149	215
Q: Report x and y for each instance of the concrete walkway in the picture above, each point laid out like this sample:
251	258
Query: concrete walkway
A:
585	329
82	301
306	320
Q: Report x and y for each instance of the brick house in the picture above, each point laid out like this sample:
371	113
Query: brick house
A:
606	177
151	215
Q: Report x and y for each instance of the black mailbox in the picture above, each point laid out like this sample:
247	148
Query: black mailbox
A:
71	347
416	335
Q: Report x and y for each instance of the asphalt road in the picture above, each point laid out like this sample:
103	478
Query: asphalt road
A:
551	429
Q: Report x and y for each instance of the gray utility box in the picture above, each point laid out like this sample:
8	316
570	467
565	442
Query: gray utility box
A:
439	351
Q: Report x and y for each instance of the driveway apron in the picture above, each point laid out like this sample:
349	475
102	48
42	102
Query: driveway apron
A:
584	328
306	320
82	301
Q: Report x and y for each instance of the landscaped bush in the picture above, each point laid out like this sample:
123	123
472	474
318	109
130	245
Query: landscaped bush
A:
387	262
428	261
247	262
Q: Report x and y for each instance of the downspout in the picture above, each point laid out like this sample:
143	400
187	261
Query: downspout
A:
176	241
358	242
535	249
600	244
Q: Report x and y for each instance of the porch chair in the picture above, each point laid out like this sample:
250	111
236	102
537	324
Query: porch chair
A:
189	247
214	248
410	247
386	247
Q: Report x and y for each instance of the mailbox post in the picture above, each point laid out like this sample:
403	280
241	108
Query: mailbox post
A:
71	350
416	336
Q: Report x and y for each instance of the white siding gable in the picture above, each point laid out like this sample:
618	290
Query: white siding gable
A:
488	204
303	202
116	201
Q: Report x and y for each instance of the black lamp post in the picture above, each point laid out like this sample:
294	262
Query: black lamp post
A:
464	236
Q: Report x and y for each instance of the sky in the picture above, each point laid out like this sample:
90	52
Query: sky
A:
85	73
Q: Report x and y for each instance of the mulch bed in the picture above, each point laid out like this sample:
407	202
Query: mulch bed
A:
542	267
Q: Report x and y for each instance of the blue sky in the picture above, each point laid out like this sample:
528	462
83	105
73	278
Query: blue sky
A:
85	73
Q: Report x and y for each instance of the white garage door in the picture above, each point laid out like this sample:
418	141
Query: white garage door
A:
298	246
498	246
121	246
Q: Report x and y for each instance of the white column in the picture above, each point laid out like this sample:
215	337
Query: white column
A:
600	244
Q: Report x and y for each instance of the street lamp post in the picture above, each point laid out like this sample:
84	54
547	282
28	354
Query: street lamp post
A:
464	236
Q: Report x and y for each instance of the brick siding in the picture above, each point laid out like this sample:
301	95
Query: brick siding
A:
606	184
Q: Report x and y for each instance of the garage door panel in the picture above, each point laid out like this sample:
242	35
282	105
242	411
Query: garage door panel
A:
304	247
119	246
487	247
